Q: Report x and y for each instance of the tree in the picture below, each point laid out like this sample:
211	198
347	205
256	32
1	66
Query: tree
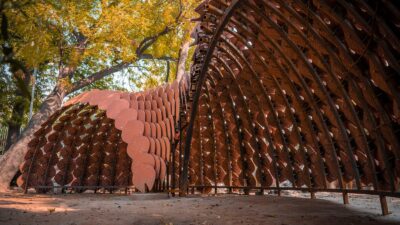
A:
77	36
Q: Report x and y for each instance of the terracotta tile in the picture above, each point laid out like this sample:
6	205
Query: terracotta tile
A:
163	149
152	145
139	143
108	100
168	148
142	176
141	105
168	128
153	116
147	129
153	130
131	129
124	116
163	170
147	115
158	147
141	115
116	107
163	129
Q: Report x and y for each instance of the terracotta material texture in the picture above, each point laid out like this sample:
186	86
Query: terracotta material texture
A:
102	139
294	94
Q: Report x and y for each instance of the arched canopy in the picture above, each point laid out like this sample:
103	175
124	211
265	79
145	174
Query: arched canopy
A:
295	95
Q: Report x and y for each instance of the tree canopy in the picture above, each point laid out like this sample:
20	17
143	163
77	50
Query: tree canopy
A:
61	48
74	44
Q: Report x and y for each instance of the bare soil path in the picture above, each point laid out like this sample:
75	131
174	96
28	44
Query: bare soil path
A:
88	209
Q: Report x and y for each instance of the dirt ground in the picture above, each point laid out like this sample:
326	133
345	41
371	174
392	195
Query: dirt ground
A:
292	208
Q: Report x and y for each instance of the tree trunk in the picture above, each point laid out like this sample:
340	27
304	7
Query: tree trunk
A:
22	80
11	160
13	132
14	124
182	60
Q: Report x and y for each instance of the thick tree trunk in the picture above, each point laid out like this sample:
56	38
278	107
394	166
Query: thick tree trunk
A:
14	124
22	80
183	55
11	160
13	132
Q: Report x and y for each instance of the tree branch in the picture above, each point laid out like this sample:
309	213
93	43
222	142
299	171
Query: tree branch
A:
166	58
148	41
97	76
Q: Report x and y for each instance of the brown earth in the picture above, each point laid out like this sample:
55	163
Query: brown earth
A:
291	208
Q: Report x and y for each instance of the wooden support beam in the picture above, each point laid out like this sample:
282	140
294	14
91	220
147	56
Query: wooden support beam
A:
384	205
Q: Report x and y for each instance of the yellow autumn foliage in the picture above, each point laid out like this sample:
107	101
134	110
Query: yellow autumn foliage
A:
48	31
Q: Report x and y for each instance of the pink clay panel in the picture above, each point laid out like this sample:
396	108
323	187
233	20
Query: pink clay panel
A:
170	95
163	170
134	104
159	115
148	96
157	167
163	113
153	116
139	143
160	91
158	147
172	123
168	109
142	158
143	175
141	115
147	115
147	129
98	96
154	105
131	129
152	146
159	102
116	107
108	100
168	150
124	116
139	97
163	129
159	133
147	105
141	104
173	107
153	130
165	100
163	148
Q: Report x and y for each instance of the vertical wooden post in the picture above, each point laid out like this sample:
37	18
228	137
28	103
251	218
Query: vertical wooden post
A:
384	205
345	198
260	192
313	195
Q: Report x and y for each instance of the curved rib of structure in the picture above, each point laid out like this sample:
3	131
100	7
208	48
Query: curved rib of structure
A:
282	95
